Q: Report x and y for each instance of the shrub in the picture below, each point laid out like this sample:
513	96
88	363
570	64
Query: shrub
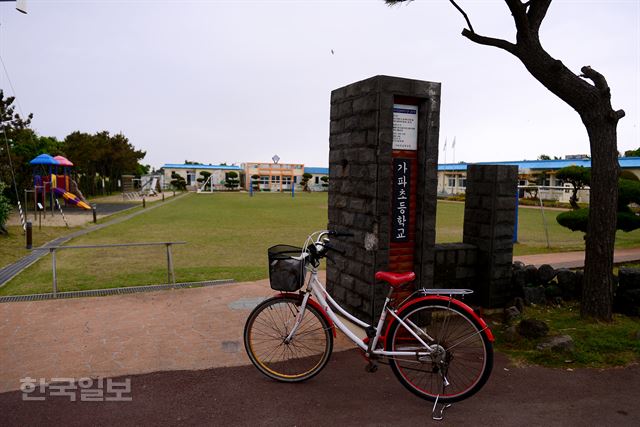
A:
231	180
574	220
255	182
178	182
578	177
628	192
577	220
305	181
5	207
205	176
627	221
457	198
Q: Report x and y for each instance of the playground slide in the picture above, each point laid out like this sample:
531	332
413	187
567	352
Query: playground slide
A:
71	198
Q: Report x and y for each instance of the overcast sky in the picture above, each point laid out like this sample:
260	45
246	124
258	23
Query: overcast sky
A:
240	81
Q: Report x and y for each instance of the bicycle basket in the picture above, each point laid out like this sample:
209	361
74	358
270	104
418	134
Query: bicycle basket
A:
286	269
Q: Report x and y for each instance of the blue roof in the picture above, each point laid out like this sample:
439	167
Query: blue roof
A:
317	171
199	166
44	159
625	163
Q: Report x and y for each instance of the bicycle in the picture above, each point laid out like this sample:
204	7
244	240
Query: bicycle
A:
436	345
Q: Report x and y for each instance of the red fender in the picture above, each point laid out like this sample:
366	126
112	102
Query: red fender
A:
453	301
315	304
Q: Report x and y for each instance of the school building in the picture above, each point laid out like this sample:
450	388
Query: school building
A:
452	177
191	173
270	176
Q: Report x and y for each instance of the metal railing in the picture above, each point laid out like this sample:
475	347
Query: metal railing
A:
171	278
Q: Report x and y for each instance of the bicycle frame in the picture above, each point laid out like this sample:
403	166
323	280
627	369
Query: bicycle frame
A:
327	303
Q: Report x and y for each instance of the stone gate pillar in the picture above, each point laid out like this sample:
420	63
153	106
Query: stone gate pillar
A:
382	185
489	221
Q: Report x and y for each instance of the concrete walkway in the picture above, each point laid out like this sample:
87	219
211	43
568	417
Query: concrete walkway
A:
576	259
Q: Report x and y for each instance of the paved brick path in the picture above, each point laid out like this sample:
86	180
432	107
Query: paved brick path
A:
576	259
194	328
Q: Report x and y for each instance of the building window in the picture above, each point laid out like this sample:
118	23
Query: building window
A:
451	179
317	179
286	180
264	180
275	178
462	182
295	179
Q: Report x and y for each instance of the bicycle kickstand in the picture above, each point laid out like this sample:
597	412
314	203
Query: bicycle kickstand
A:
438	415
435	414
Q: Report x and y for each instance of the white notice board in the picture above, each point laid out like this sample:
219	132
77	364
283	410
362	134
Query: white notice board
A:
405	127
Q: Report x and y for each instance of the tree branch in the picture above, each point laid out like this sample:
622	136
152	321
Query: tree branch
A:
603	87
598	79
466	18
519	12
490	41
536	13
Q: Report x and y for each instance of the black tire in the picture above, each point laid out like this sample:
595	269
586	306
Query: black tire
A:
266	329
466	352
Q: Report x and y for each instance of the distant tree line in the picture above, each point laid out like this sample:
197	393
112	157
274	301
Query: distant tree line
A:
98	158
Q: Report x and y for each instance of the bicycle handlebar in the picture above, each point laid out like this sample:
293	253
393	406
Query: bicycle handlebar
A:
340	233
317	245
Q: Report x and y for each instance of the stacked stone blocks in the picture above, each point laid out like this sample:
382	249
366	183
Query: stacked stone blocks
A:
489	221
360	189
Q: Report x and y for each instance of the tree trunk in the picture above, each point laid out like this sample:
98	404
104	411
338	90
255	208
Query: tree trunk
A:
573	200
597	292
593	103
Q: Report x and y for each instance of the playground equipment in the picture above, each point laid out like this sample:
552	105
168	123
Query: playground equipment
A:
51	177
136	188
203	187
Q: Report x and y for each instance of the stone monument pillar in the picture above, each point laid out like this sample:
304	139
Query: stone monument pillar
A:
489	221
382	186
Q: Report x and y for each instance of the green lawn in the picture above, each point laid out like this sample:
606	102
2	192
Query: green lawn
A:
228	235
531	235
12	246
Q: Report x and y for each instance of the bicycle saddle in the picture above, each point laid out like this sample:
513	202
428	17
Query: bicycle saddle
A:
395	279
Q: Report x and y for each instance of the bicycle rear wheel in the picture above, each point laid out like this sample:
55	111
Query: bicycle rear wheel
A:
463	353
264	339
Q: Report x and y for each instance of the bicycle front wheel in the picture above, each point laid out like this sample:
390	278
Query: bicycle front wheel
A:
461	356
265	333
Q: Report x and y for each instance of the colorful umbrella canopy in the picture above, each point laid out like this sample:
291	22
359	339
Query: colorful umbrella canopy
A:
44	159
63	161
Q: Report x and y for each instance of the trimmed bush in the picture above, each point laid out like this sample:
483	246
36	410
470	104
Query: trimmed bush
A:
628	192
627	221
578	220
574	220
